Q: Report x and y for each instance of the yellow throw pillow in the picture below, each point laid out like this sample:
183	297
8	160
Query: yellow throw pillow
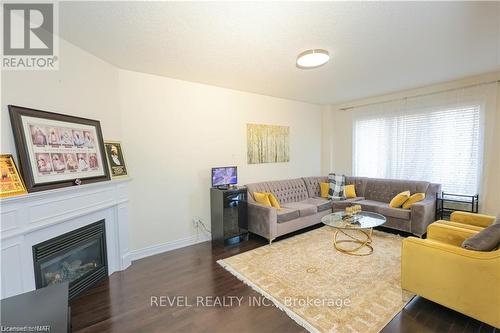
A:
399	199
274	202
262	198
324	188
413	199
350	191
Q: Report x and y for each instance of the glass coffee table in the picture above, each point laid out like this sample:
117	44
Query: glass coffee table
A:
357	228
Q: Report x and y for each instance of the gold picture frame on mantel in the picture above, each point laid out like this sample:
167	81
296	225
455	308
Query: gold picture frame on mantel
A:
11	183
116	160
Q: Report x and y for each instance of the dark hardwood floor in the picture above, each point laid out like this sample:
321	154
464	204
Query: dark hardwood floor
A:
121	303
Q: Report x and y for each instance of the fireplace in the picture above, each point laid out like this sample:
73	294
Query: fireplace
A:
78	257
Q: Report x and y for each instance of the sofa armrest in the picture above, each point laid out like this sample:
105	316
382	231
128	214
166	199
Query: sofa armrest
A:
449	234
423	213
262	220
478	220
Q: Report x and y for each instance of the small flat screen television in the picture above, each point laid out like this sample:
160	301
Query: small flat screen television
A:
224	176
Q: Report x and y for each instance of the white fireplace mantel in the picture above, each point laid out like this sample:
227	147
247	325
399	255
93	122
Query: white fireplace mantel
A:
36	217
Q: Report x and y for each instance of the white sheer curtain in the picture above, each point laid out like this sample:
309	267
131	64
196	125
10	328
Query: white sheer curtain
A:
438	138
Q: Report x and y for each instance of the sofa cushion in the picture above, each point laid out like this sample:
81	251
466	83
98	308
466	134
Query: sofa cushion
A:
321	204
350	191
414	198
274	202
359	184
312	185
286	214
370	205
290	190
399	199
324	188
399	213
342	204
262	198
383	190
303	207
487	239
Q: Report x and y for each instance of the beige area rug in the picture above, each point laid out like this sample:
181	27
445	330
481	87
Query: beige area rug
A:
322	289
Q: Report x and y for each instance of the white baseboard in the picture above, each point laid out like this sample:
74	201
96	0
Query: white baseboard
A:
167	246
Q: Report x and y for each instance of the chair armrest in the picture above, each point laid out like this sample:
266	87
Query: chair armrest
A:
262	220
460	225
449	234
478	220
441	247
423	213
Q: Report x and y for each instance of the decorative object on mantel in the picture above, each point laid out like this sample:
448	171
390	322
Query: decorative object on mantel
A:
55	149
268	144
11	183
116	160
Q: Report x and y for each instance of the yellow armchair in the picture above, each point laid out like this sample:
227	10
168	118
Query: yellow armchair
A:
438	269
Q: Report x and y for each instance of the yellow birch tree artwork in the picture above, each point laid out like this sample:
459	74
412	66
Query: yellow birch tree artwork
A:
268	144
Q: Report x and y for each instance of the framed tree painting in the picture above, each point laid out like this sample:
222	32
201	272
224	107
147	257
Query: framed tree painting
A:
116	160
11	183
57	150
268	144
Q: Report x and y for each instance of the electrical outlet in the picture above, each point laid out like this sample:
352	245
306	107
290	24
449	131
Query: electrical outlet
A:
196	221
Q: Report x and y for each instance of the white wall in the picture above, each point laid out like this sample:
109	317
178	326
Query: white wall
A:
337	150
83	86
175	131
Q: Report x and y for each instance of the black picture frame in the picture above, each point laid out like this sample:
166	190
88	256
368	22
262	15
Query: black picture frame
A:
28	165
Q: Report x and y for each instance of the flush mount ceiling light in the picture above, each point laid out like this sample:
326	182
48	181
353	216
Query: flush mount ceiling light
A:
312	58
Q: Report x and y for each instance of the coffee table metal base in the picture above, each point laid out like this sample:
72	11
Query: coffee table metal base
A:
362	242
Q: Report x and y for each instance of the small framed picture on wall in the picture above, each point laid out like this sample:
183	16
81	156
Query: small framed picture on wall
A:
116	160
57	150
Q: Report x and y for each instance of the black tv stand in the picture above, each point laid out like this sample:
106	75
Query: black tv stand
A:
228	215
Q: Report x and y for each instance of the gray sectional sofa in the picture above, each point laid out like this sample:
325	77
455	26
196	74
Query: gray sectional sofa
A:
303	206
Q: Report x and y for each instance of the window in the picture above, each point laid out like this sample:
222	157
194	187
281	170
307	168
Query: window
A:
439	144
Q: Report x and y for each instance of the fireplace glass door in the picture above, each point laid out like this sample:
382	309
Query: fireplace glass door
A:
73	264
78	257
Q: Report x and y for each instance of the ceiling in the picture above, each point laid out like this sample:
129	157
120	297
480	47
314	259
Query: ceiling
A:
376	47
